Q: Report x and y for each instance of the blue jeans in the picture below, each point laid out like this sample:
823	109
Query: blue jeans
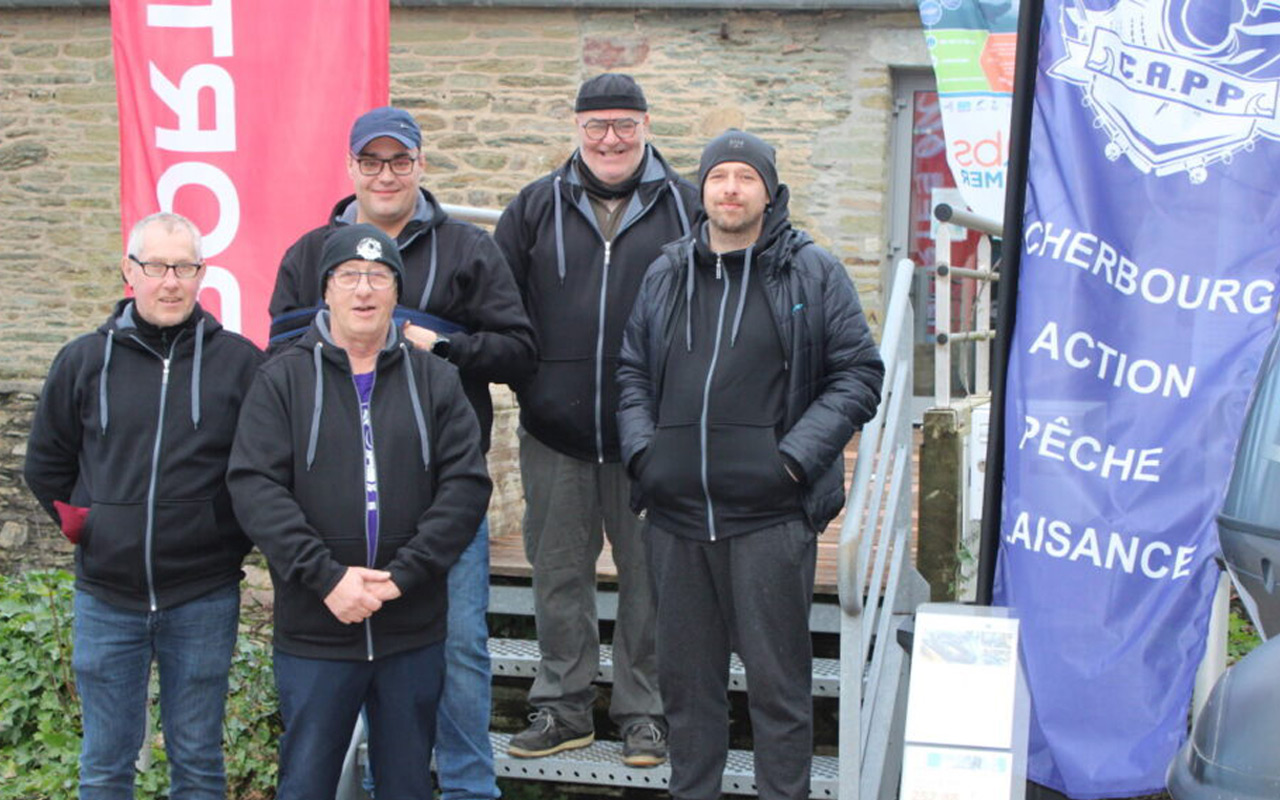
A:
319	702
464	756
113	650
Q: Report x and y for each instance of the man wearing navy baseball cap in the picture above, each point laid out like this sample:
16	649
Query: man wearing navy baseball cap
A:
745	367
460	302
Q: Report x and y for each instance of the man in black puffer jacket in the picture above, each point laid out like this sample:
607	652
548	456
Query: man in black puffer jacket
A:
745	368
128	453
357	471
579	241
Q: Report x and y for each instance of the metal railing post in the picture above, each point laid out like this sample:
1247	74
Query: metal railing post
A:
982	324
942	317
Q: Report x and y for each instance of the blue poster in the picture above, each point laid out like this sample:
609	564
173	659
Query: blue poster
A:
1150	260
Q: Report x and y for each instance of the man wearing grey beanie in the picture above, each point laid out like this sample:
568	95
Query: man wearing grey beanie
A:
745	368
579	241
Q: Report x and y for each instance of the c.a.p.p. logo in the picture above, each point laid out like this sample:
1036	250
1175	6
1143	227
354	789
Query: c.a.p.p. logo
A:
1178	86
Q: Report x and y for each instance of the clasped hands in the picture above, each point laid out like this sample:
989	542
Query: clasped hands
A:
360	593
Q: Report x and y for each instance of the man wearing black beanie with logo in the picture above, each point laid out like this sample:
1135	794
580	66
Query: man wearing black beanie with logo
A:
746	367
579	241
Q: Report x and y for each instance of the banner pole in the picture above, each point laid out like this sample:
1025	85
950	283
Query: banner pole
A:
1023	105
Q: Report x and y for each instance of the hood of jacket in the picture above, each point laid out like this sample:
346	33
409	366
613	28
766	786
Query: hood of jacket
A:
127	326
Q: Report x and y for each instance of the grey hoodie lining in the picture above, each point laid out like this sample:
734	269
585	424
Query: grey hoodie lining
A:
322	325
125	321
653	171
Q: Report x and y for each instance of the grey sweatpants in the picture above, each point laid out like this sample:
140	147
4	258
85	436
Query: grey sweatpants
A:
569	504
749	593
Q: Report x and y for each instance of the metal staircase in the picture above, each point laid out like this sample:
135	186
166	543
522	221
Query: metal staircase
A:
879	589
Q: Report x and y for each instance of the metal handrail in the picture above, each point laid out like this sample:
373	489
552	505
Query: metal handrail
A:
945	212
848	580
944	272
883	519
480	216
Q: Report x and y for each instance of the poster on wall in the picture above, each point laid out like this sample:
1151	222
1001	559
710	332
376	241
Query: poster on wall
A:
972	45
1150	257
236	116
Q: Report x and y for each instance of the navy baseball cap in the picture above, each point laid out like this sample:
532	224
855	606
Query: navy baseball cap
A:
386	121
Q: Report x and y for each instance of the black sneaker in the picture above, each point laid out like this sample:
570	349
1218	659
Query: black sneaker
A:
547	735
644	745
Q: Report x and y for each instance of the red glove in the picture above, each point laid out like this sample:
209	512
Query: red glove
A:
72	519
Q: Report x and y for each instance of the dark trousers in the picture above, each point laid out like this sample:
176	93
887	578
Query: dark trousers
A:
749	593
320	700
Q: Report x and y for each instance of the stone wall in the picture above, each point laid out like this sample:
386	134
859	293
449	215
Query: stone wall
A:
493	90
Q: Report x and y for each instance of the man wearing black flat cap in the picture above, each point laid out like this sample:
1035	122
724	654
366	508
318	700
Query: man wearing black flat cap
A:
579	241
746	366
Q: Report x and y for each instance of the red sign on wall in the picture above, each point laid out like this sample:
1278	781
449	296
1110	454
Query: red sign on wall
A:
236	115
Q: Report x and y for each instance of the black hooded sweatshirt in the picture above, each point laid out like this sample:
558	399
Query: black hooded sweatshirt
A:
136	423
456	282
579	288
297	476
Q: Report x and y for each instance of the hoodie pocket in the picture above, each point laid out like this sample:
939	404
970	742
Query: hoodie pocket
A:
301	614
746	471
113	545
669	471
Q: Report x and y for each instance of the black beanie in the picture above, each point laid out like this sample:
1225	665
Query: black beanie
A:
359	242
736	145
610	90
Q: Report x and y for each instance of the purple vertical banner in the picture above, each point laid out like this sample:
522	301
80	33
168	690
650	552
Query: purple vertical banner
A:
1150	259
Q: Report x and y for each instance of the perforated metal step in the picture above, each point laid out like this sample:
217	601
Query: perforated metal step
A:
519	658
601	765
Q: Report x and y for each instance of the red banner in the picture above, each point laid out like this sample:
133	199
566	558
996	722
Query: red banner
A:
236	114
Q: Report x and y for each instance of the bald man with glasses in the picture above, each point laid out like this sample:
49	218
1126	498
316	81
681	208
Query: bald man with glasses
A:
579	241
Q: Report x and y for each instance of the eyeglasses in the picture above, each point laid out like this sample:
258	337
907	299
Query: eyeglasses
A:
400	165
348	279
624	127
157	269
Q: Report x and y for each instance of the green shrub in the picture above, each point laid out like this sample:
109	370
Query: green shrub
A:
40	712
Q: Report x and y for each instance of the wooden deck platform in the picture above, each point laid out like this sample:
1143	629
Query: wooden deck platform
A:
506	554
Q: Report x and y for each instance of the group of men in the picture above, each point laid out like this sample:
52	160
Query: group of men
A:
688	367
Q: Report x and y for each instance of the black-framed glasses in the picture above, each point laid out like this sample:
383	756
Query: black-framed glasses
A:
157	269
624	127
371	166
379	279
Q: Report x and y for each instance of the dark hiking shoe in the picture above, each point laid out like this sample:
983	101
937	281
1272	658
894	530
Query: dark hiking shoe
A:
546	735
644	745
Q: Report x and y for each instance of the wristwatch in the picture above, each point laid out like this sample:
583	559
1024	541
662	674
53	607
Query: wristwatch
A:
441	347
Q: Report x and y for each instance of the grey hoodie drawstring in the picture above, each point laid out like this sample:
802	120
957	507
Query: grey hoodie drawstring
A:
742	296
559	230
316	407
417	407
742	300
688	304
195	374
431	275
684	217
102	382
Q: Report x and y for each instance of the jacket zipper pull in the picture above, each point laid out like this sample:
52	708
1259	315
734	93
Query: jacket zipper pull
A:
719	267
